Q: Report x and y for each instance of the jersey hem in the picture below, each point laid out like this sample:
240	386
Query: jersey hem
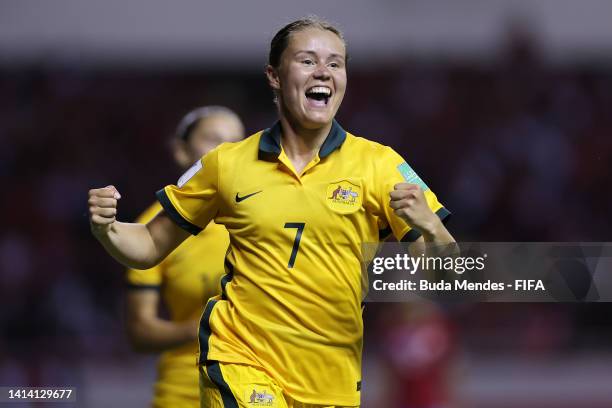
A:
137	286
314	399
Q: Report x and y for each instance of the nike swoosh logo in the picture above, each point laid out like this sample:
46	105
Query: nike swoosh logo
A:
239	199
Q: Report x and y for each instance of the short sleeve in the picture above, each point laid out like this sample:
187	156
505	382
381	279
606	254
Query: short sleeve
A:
391	170
148	278
144	279
193	202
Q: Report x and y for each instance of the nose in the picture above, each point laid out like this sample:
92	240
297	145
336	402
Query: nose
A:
322	72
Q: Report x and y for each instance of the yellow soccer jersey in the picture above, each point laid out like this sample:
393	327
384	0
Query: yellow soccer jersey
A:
291	297
186	279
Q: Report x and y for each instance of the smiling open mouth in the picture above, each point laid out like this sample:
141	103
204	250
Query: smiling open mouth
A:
318	95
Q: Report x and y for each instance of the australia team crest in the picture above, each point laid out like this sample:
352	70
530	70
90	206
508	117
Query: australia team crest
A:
259	398
344	197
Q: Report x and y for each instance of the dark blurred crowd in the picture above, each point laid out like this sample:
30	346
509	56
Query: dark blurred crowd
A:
517	149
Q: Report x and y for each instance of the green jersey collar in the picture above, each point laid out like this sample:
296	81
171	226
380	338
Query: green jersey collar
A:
269	143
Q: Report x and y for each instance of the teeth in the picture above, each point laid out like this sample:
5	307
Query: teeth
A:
320	89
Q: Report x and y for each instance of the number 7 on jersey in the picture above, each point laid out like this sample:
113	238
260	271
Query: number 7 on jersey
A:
296	243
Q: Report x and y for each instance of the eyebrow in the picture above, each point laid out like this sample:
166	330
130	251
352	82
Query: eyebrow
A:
332	55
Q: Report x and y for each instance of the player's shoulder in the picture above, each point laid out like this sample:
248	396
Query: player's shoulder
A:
365	145
236	148
148	214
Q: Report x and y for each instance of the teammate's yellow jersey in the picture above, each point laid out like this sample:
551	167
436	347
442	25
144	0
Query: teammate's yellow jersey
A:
186	279
291	298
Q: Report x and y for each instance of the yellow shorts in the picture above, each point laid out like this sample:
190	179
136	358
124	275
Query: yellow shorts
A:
241	386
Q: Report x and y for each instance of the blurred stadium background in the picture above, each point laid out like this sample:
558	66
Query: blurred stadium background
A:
504	107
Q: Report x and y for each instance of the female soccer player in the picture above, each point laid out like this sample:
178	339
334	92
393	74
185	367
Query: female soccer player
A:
187	278
298	200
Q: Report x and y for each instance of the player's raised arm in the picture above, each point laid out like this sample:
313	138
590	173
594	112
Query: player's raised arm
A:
409	203
133	245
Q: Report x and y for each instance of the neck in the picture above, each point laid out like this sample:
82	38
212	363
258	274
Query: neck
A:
299	143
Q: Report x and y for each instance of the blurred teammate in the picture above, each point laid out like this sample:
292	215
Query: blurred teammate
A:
186	278
298	200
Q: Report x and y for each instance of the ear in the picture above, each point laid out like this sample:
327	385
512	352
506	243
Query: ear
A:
181	154
273	78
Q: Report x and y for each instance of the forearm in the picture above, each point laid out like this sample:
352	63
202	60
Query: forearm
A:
156	335
130	244
438	241
136	246
437	234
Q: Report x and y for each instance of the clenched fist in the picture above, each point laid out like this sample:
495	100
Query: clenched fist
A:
409	202
102	208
